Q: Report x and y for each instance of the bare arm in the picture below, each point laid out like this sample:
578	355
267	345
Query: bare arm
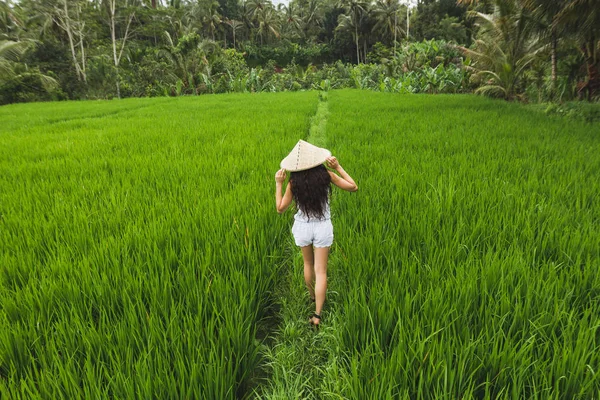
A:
282	202
343	180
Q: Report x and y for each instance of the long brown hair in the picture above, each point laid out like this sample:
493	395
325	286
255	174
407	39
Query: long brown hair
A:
311	189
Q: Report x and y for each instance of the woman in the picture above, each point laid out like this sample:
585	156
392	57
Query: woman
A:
310	187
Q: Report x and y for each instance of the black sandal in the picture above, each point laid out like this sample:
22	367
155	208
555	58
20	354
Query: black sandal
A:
317	316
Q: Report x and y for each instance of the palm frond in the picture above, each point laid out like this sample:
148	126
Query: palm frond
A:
12	51
6	70
506	46
492	91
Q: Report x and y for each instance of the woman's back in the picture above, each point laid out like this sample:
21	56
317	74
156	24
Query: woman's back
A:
301	216
311	189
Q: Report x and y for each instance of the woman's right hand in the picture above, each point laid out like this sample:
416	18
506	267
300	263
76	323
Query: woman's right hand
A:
280	176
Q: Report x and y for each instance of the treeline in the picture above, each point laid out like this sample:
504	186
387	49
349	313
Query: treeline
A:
531	50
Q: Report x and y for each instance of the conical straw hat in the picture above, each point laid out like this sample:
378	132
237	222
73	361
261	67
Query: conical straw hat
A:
304	156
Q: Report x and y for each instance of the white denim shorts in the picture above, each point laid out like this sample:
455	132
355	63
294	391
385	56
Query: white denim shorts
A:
317	233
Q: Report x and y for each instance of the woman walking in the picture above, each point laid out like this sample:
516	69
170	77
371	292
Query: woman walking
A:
310	187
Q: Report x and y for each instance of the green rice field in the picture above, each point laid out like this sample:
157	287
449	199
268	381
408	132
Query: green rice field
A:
141	255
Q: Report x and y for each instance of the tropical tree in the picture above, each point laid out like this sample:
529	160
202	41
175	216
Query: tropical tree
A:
11	70
545	14
11	51
506	46
191	59
68	16
235	26
292	22
211	18
267	23
193	18
116	10
62	21
247	17
312	18
581	19
254	7
355	10
11	25
386	17
365	30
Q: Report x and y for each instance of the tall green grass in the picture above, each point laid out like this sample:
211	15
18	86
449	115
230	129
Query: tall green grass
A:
138	244
471	255
141	256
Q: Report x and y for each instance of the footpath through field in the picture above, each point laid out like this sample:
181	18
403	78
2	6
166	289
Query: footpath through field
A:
298	354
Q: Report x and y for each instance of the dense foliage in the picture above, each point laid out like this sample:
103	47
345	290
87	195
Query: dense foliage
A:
532	50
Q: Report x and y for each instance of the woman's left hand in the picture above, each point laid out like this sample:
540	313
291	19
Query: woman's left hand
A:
332	162
280	176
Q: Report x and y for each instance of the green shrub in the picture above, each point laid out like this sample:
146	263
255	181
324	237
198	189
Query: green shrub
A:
582	111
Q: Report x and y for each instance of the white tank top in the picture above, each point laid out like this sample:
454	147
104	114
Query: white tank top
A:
300	216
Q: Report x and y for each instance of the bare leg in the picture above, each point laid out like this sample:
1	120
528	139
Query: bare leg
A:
309	273
321	255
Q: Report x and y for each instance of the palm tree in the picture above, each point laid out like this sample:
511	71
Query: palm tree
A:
292	21
10	23
114	11
235	26
385	13
246	16
365	29
268	23
11	69
57	18
262	16
173	53
347	23
506	47
311	16
11	52
545	13
192	19
212	18
355	10
254	7
581	18
191	57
